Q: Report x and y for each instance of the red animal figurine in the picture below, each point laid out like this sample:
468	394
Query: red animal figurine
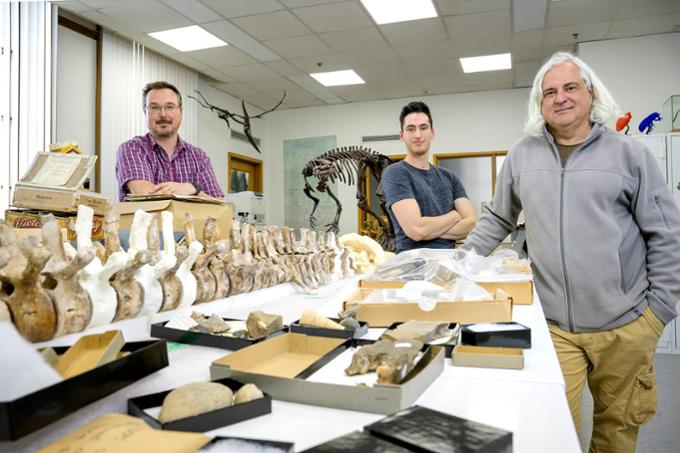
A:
623	122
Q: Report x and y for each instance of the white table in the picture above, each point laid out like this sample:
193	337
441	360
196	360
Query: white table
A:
530	402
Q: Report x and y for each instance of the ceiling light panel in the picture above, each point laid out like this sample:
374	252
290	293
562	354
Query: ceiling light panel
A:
486	63
186	39
389	12
338	78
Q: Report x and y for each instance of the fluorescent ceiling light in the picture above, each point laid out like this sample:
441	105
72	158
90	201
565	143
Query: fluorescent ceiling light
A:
190	38
486	63
337	78
390	11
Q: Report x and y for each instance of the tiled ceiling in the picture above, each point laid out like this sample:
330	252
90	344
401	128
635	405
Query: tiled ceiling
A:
275	44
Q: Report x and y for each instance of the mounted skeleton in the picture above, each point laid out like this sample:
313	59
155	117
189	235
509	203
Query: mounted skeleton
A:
345	165
243	120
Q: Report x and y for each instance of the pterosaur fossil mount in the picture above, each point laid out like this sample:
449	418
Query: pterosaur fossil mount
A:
243	120
345	165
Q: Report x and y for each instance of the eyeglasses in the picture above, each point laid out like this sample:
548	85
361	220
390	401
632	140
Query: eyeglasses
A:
155	108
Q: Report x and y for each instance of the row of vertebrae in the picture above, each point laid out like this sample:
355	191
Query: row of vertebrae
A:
50	289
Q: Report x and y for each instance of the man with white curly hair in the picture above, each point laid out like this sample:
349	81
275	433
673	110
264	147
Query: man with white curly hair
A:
603	233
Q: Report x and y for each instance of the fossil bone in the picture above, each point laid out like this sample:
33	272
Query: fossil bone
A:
94	278
31	307
397	359
71	302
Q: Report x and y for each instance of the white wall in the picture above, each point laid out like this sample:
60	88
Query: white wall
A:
641	73
76	90
467	122
214	137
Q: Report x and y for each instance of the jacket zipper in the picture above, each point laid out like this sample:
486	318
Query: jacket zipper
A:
567	290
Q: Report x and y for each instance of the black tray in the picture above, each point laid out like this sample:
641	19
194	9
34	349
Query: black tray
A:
358	441
159	330
38	409
520	338
448	347
203	422
425	430
333	333
287	447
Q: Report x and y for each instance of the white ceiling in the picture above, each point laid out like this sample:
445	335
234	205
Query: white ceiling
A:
274	44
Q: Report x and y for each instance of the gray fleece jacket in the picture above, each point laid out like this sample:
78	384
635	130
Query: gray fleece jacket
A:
603	232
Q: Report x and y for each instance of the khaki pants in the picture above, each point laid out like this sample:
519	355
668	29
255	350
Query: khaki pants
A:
618	364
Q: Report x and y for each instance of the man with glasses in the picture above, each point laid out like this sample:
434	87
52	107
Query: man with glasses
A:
603	232
160	162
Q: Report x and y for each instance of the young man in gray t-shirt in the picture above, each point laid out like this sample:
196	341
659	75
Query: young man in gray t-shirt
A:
428	205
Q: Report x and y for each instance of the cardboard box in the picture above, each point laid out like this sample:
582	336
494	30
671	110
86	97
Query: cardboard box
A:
426	430
502	335
280	366
31	412
89	352
202	422
522	293
54	183
200	210
159	330
383	314
331	333
487	357
37	232
31	219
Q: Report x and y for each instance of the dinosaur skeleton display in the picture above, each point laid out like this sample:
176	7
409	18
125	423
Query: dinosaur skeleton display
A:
346	165
50	289
243	120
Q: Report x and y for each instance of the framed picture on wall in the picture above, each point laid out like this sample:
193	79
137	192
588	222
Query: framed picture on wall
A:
244	173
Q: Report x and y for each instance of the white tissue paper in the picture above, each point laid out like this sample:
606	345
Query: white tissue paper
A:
24	370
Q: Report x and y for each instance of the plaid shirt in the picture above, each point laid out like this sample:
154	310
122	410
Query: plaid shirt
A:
142	158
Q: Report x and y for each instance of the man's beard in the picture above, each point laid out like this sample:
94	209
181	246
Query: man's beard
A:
164	133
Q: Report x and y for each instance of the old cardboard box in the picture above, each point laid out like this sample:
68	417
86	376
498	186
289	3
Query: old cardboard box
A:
31	219
488	357
89	352
54	183
31	412
37	232
280	366
383	314
200	209
522	293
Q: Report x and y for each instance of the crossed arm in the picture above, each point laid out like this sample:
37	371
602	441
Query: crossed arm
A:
455	224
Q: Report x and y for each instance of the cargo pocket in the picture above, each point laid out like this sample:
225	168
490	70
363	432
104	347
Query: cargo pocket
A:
643	400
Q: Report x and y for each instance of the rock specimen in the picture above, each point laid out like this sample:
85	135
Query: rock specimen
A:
248	392
311	318
212	324
395	358
260	324
423	331
194	399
